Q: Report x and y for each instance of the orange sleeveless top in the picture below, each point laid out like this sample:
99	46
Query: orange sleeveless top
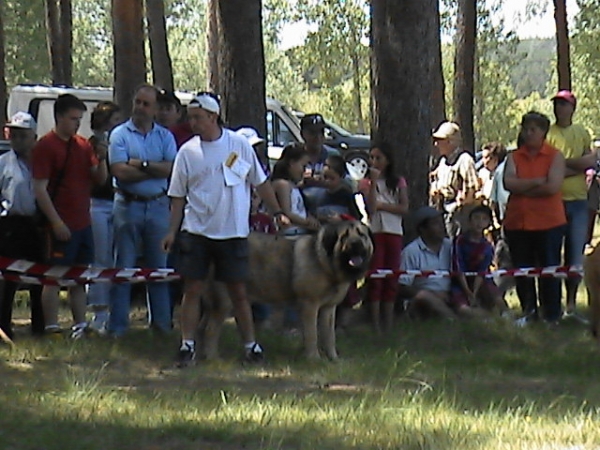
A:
534	213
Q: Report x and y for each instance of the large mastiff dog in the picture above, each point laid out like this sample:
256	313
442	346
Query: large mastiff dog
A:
591	271
312	272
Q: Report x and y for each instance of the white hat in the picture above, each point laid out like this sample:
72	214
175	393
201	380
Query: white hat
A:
251	135
446	130
22	120
206	101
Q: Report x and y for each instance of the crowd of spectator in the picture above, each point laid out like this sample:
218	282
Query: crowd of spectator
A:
175	187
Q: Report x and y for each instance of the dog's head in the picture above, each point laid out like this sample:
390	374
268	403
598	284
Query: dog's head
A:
349	246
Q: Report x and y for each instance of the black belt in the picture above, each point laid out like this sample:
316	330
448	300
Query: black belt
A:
129	197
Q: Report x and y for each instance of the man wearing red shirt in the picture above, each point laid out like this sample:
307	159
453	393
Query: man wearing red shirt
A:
64	167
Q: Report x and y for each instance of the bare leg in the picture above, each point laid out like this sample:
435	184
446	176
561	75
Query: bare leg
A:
435	303
388	316
242	311
375	308
190	308
50	304
78	301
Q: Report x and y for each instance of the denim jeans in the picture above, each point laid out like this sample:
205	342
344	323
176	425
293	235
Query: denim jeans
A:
537	249
102	229
575	235
140	225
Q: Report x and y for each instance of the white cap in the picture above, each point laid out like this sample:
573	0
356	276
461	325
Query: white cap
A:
206	101
22	120
446	130
251	135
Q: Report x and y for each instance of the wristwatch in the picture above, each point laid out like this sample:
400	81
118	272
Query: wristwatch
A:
145	164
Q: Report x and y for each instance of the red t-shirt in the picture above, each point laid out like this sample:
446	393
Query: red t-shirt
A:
182	132
72	198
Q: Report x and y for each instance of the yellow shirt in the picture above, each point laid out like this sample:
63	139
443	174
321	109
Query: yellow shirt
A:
573	142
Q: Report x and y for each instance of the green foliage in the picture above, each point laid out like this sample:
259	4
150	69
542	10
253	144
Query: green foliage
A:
27	58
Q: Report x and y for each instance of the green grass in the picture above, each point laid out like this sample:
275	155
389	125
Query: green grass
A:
430	385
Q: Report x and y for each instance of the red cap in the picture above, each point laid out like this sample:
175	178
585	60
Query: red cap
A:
567	96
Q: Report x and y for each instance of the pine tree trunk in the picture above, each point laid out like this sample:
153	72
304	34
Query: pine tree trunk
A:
3	93
464	70
241	64
404	70
54	38
563	52
212	48
66	36
162	67
356	91
129	58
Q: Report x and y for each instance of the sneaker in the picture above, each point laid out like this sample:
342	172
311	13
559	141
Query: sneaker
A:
100	323
574	315
254	355
78	331
186	356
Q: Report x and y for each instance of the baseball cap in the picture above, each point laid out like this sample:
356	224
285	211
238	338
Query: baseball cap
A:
446	130
425	213
169	97
312	121
206	100
22	120
565	95
251	135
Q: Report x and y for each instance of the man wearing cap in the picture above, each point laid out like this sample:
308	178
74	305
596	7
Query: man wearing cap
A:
169	109
20	237
141	156
65	167
454	181
210	205
432	250
574	142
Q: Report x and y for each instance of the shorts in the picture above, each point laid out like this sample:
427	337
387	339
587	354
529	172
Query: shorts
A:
229	256
487	295
78	250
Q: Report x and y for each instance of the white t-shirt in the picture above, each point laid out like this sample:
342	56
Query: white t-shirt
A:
215	178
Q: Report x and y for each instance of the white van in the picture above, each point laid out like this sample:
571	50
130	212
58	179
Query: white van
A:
38	100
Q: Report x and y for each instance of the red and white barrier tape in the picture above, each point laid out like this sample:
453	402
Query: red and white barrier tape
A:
28	272
552	271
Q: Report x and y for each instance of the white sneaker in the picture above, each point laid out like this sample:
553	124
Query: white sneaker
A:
78	331
100	323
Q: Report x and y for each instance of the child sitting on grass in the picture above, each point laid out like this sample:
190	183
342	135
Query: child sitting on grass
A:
475	296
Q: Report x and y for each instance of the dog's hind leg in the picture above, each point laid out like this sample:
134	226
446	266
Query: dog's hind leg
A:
327	331
309	314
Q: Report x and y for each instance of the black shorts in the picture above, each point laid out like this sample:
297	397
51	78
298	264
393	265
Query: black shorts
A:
229	257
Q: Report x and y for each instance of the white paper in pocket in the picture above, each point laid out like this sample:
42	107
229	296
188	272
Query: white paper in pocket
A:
237	173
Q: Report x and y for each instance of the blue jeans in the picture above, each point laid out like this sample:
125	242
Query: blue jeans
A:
140	225
102	229
575	236
537	249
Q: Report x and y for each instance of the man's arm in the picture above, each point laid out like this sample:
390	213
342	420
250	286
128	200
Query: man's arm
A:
127	173
59	228
266	193
100	172
176	217
154	169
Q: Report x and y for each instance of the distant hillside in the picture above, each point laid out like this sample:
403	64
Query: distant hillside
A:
534	70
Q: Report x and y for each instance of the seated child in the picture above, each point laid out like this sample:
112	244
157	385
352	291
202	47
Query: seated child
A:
338	200
286	175
474	296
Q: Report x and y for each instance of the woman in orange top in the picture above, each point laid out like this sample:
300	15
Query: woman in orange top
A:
535	216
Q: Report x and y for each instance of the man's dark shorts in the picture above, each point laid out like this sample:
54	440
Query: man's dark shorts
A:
79	250
229	256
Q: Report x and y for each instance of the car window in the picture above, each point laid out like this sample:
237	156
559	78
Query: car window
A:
278	133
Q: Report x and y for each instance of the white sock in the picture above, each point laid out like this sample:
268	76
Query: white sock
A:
187	344
80	325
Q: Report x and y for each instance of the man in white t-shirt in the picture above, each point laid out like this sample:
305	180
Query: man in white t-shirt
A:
210	204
